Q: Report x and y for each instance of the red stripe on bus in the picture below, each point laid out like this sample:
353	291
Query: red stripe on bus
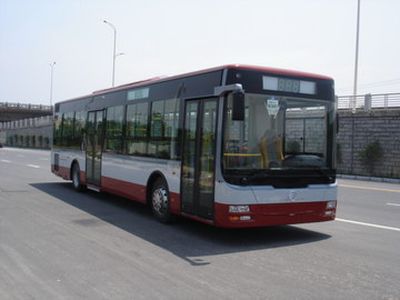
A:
65	173
175	203
274	214
132	191
125	189
277	71
82	176
62	172
136	192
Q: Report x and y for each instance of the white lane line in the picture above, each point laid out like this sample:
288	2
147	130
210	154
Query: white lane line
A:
368	224
393	204
33	166
367	188
6	161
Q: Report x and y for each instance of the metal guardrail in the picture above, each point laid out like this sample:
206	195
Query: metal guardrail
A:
25	106
369	101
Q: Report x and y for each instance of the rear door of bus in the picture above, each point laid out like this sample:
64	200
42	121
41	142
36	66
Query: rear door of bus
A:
95	132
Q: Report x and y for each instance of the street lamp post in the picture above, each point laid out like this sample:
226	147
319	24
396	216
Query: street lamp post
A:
51	81
356	59
115	49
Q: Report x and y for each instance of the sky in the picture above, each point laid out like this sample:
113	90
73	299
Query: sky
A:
162	38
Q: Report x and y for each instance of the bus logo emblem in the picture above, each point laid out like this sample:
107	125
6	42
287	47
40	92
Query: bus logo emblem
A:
292	195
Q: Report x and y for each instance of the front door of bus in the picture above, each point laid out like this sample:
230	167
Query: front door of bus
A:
94	147
198	157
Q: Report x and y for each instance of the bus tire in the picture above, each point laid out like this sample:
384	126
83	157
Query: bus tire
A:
76	178
160	201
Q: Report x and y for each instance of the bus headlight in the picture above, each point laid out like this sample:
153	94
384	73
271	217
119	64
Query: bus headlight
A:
329	213
239	209
331	205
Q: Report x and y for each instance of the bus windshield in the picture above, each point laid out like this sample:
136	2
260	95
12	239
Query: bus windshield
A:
278	133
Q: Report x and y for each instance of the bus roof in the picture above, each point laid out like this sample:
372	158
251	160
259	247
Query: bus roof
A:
276	71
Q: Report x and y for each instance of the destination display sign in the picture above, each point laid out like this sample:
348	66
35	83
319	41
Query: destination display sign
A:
289	85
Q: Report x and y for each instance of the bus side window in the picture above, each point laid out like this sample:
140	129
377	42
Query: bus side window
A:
57	129
78	128
114	125
67	130
164	128
136	128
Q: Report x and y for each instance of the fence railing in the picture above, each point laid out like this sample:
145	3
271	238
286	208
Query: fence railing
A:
25	106
369	101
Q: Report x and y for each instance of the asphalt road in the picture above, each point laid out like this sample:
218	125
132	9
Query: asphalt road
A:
59	244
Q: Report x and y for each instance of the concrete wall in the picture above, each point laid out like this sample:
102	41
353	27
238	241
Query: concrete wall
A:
3	137
358	130
307	131
30	133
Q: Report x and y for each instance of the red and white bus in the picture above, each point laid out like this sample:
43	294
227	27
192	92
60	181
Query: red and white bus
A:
232	146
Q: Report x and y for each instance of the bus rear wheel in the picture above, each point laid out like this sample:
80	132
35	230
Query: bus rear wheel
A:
160	201
76	178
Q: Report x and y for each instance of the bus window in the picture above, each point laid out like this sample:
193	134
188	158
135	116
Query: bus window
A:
57	129
305	130
115	118
67	132
79	126
171	118
164	126
136	133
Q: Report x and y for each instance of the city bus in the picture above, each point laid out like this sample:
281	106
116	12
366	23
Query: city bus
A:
232	146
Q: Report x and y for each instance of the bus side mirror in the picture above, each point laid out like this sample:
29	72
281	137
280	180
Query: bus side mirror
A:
238	106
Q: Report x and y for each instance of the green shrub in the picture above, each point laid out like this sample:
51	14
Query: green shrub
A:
370	155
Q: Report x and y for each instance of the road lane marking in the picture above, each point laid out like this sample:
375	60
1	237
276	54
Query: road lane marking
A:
6	161
33	166
368	224
393	204
368	188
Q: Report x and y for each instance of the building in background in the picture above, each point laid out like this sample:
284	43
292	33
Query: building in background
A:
25	125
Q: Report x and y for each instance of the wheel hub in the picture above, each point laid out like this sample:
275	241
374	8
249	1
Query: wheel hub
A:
160	200
75	178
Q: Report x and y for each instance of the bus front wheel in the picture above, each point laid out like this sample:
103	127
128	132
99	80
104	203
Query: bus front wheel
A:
160	201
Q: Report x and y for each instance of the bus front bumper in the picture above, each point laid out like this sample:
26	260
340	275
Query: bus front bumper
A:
262	215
